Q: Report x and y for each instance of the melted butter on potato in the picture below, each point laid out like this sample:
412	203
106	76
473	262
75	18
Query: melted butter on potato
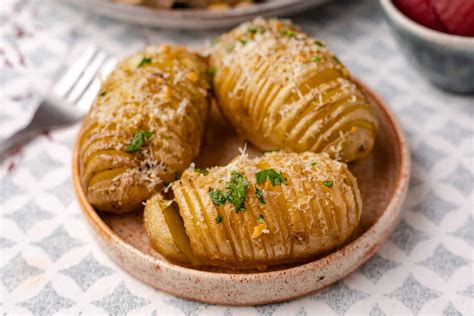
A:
145	125
276	209
281	88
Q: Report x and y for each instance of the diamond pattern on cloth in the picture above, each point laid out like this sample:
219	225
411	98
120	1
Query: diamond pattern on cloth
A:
434	207
87	272
47	302
6	243
17	271
462	179
407	238
121	301
376	311
427	156
466	232
58	243
29	215
450	310
340	297
188	308
443	262
377	267
413	294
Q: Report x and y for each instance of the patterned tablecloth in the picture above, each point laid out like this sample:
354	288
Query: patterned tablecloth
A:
51	264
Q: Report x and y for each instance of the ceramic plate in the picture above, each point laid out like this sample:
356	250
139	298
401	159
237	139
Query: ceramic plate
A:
383	180
193	19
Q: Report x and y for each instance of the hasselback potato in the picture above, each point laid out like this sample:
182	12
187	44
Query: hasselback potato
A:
145	126
282	89
254	213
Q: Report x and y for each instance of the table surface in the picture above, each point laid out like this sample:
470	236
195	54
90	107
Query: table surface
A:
50	263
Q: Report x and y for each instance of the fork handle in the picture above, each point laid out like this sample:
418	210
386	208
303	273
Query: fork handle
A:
19	138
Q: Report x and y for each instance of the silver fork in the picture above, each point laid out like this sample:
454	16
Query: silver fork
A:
68	100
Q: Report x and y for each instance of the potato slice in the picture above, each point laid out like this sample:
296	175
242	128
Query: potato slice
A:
253	213
145	125
165	229
282	89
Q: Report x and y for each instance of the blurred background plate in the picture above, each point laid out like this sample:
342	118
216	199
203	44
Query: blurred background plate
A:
200	18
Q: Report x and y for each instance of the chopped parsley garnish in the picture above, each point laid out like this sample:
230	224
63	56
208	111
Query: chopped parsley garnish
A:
102	93
260	197
243	41
252	29
215	40
336	59
217	196
260	219
315	59
319	43
202	171
236	191
274	177
211	71
313	164
138	141
229	47
177	175
289	33
219	219
328	183
256	29
145	61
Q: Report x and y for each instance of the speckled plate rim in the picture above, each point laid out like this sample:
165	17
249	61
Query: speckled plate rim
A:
381	229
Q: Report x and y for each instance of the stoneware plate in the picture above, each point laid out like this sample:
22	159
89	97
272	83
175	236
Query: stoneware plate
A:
194	19
383	179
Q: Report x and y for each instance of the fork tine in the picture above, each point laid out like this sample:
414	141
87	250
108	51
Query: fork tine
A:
87	76
89	95
70	77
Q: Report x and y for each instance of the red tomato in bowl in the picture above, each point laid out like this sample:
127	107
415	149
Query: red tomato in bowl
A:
456	15
449	16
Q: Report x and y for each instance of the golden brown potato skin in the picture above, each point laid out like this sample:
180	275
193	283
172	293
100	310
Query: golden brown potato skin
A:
315	211
282	89
162	90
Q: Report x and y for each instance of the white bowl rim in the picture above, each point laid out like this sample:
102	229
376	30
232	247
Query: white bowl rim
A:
422	31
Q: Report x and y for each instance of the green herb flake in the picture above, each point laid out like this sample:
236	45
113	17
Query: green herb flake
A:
219	219
260	196
236	191
328	183
144	61
211	71
243	41
260	219
275	178
202	171
102	93
138	140
217	196
272	150
252	29
215	40
336	59
315	59
177	175
319	43
229	47
288	33
313	164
